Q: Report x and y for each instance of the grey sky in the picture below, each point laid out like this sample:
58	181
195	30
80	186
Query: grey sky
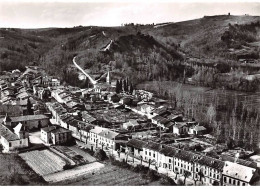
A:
68	14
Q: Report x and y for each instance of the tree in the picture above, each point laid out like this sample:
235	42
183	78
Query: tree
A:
120	84
117	86
186	174
125	86
29	107
39	124
131	89
201	175
100	155
211	113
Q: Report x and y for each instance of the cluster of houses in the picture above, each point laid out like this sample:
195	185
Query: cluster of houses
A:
201	167
63	114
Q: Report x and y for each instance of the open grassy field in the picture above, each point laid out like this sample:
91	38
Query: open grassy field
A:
15	171
110	176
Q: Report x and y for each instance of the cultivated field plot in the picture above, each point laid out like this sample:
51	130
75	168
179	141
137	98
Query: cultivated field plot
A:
111	176
73	173
72	154
43	162
87	157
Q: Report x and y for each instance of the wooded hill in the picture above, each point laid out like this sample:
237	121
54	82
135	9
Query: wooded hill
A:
170	51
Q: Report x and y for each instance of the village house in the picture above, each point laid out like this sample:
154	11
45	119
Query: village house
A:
197	130
235	174
208	169
160	121
180	128
87	117
151	152
54	82
93	137
131	125
46	134
107	139
60	136
135	148
13	138
146	109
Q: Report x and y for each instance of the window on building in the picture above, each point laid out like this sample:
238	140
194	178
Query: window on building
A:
170	160
229	180
225	179
217	176
170	166
20	142
10	144
234	182
238	183
145	152
181	165
210	174
149	153
243	184
154	155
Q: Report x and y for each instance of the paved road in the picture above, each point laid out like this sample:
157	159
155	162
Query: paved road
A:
85	73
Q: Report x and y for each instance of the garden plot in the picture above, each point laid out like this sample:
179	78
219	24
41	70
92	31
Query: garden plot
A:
87	157
76	157
73	173
43	162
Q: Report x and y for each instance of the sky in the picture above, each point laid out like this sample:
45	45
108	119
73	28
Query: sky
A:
69	13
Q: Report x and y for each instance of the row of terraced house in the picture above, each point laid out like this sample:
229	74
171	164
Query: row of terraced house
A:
201	167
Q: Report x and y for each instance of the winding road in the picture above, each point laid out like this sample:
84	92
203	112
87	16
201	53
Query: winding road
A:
85	73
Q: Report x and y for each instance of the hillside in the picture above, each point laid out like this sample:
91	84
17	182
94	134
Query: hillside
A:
201	49
202	37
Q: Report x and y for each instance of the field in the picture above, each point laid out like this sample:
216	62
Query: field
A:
73	173
43	162
88	158
14	171
110	176
75	154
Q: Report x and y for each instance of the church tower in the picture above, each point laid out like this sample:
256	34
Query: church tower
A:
108	79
